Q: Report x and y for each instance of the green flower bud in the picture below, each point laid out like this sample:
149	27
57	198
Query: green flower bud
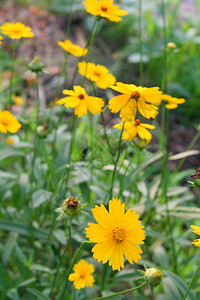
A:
153	276
35	65
142	144
197	182
71	207
196	177
42	130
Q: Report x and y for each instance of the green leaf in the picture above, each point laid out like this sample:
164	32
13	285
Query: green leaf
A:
38	294
23	269
39	197
10	244
13	294
5	280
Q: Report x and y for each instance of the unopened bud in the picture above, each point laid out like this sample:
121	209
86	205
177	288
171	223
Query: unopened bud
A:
142	144
171	46
196	177
71	207
42	130
35	65
153	276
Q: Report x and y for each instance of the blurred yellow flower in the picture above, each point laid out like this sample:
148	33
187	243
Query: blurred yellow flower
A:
8	122
1	38
196	230
72	49
82	274
9	141
116	235
16	30
17	100
81	102
134	128
105	9
171	102
97	73
135	97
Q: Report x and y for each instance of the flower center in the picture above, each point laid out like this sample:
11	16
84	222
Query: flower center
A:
97	73
119	234
135	95
137	122
104	8
81	96
5	122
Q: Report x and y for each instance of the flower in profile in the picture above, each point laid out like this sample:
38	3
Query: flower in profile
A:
116	235
72	49
16	30
135	97
81	102
82	274
17	100
8	122
9	141
134	128
171	102
97	73
105	9
196	230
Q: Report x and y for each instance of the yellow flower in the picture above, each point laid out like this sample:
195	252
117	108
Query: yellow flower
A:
9	141
131	129
17	100
105	9
135	97
196	230
72	49
97	73
81	102
82	274
117	234
1	38
16	30
8	122
171	102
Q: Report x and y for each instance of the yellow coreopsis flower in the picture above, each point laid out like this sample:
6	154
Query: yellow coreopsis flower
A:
97	73
17	100
82	274
8	122
134	128
135	97
72	49
171	102
116	235
16	30
81	102
196	230
105	9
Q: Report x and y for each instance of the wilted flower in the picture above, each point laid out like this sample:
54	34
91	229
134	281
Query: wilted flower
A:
71	207
16	30
97	73
105	9
82	274
8	122
72	49
153	276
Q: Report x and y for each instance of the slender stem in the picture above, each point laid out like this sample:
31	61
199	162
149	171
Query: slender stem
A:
189	286
70	269
140	37
116	162
90	48
123	292
12	71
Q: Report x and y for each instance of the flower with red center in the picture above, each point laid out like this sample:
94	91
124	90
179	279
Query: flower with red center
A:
105	9
81	102
134	128
16	30
116	235
135	97
97	73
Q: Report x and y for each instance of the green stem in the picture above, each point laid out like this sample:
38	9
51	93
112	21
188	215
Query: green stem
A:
70	269
116	162
12	71
123	292
90	48
140	37
189	286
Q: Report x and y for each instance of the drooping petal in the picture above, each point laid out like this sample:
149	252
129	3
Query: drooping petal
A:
118	102
128	112
94	104
147	110
144	133
81	109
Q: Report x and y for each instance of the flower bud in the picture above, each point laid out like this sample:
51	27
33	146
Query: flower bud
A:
142	144
71	207
35	65
171	46
42	130
196	177
153	276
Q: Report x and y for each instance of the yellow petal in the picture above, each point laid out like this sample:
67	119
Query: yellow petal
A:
118	102
81	109
102	217
97	234
144	133
116	210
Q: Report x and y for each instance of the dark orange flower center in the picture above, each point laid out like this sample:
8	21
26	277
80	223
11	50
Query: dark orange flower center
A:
97	73
5	121
119	234
81	96
137	122
104	8
135	95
